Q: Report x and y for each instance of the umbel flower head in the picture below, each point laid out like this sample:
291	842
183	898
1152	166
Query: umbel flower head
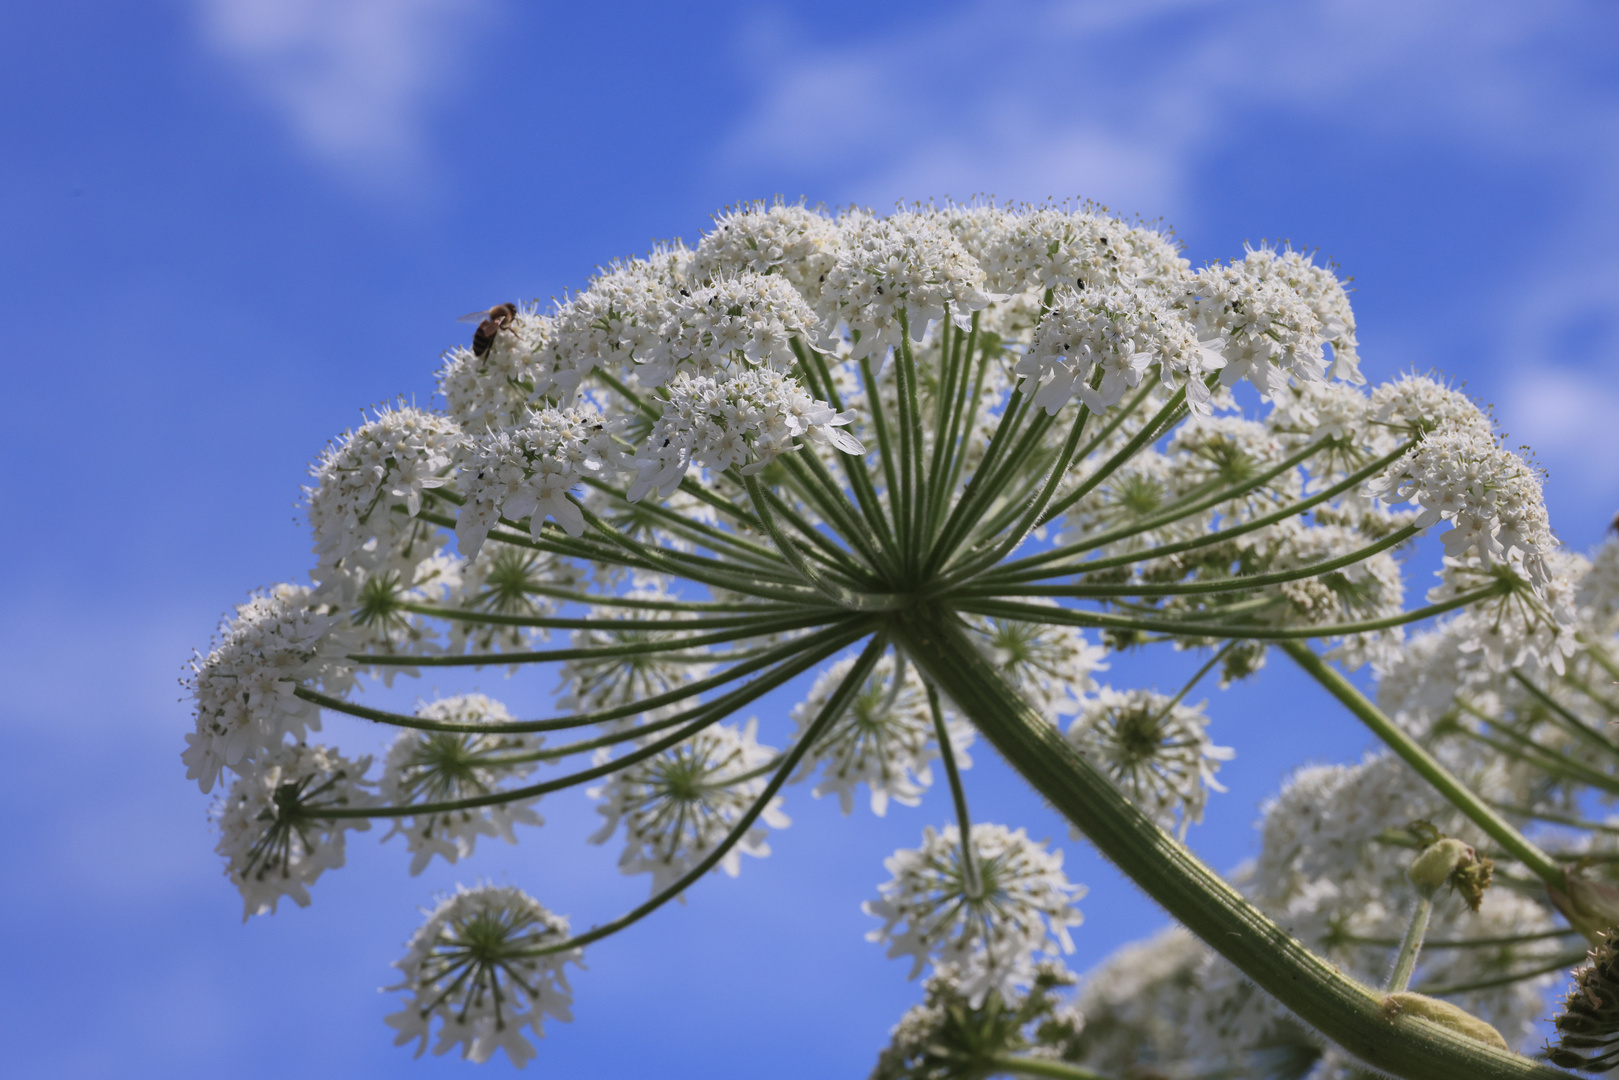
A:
480	966
890	483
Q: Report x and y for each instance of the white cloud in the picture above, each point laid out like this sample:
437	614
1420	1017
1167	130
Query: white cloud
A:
353	79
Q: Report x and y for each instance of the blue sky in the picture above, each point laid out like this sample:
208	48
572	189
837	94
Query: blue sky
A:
228	225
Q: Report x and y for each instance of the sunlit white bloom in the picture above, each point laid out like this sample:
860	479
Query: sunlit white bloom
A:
729	325
617	320
1023	905
790	240
271	834
495	390
1155	749
885	738
677	806
245	689
473	966
367	476
745	421
1259	324
528	473
1055	248
909	262
1320	288
1122	333
445	766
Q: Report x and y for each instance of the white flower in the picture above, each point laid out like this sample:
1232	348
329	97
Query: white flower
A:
733	323
1157	751
1320	288
245	689
1122	331
617	320
676	807
884	739
1051	667
528	472
494	391
1053	248
908	262
473	966
445	766
1258	322
368	475
271	834
1024	906
592	684
790	240
747	421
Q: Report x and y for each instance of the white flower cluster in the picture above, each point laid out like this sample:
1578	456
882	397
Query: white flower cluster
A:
677	806
367	475
271	834
245	688
908	262
495	390
746	420
1053	248
618	320
1022	905
473	966
749	318
1320	288
884	739
527	473
1490	495
792	241
1051	667
1260	322
445	766
1119	332
1155	749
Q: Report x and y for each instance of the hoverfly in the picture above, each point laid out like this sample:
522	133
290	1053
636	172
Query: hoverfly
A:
490	323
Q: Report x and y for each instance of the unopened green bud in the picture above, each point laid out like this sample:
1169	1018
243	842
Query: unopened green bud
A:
1434	866
1445	1014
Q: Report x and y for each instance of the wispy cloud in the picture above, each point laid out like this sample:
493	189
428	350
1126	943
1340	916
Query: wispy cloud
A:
354	80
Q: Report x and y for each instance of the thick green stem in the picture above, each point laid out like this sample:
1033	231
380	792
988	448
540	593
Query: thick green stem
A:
1352	1015
1405	961
1457	793
1032	1066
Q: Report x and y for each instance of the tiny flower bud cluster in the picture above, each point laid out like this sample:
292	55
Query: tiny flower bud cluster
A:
1258	323
792	241
619	319
749	318
493	391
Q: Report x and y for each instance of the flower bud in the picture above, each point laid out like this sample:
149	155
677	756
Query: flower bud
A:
1432	868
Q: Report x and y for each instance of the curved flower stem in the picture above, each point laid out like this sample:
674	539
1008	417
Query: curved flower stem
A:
649	604
1018	1065
1068	616
1455	792
697	531
837	592
1345	1011
1571	722
829	713
1464	943
1242	583
854	466
841	562
1168	415
961	516
838	633
636	648
1021	569
958	794
1405	961
885	451
497	618
817	485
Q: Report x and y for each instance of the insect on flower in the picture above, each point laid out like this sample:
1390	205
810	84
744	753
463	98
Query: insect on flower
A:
490	323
